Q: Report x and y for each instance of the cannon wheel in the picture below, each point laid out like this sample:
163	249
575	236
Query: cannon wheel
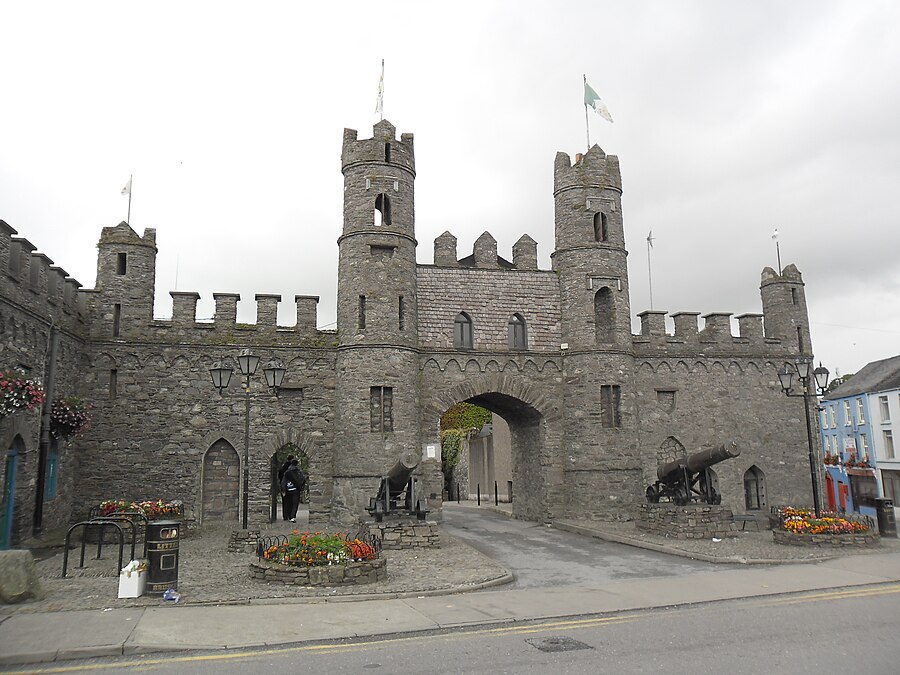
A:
652	495
680	497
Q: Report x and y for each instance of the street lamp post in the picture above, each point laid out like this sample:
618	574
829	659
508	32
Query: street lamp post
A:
818	377
221	372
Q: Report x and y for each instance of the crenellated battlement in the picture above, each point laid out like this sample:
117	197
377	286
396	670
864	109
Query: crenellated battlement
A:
595	169
184	313
29	279
383	147
484	253
781	328
715	334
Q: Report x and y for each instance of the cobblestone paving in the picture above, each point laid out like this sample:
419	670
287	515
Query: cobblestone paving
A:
209	574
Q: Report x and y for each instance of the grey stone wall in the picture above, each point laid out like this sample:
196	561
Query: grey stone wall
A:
35	295
157	414
490	297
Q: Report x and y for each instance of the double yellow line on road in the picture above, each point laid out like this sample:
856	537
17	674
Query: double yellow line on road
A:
523	629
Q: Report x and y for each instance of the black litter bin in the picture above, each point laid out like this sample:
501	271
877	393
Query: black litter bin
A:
162	555
887	522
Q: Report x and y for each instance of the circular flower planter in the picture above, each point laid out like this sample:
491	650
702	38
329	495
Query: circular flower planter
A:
347	574
854	540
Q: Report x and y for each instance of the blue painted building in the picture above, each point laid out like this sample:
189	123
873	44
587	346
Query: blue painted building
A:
849	441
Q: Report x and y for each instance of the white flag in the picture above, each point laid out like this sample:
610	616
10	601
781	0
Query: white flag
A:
127	189
650	238
592	99
775	234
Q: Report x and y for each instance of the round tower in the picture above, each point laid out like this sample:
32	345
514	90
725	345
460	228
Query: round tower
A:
590	254
126	280
377	366
598	364
785	313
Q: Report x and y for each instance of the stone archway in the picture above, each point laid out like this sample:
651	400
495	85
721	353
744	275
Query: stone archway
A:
315	464
221	484
534	446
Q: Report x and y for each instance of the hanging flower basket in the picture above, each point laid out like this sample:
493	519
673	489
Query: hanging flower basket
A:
17	392
69	417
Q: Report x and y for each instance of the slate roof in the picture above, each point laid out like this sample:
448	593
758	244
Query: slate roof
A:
877	376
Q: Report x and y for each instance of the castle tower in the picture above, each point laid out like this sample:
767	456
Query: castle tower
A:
602	451
785	313
376	315
590	252
126	279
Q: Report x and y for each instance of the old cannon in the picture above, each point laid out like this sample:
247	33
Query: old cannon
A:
399	480
689	478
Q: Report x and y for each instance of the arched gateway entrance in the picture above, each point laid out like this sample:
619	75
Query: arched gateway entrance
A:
534	434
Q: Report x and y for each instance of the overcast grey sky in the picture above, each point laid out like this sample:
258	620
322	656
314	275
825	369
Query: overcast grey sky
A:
731	119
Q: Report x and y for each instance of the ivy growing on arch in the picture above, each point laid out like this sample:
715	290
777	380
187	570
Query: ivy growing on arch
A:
457	423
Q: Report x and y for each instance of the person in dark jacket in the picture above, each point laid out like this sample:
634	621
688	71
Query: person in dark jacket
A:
292	484
281	471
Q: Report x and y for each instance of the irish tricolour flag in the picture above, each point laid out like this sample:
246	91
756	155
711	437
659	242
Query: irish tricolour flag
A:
591	99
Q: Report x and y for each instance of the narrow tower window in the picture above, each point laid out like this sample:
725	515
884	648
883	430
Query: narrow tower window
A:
793	296
462	331
518	338
610	399
387	152
381	409
117	319
121	264
799	339
382	209
401	313
601	227
604	315
362	312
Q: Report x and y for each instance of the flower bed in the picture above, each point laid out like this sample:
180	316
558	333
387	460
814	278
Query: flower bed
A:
153	509
318	559
800	527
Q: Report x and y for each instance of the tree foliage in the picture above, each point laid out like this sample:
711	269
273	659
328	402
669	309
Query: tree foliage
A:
456	424
838	381
465	416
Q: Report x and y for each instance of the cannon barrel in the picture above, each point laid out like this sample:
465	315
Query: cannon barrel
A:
699	460
399	474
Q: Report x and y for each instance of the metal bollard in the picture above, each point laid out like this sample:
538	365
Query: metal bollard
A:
457	493
479	494
496	495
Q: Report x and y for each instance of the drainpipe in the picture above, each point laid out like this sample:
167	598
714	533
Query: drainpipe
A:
44	445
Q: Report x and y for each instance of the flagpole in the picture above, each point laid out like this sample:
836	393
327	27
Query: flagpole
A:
130	185
587	126
382	89
649	267
777	251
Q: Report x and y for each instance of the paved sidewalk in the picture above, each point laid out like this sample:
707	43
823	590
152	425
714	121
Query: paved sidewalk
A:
33	633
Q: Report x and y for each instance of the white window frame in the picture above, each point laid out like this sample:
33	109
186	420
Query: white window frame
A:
848	419
884	408
889	452
831	416
824	418
863	446
860	411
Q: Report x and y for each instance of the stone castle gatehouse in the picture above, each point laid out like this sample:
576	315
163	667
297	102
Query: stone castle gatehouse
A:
591	407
